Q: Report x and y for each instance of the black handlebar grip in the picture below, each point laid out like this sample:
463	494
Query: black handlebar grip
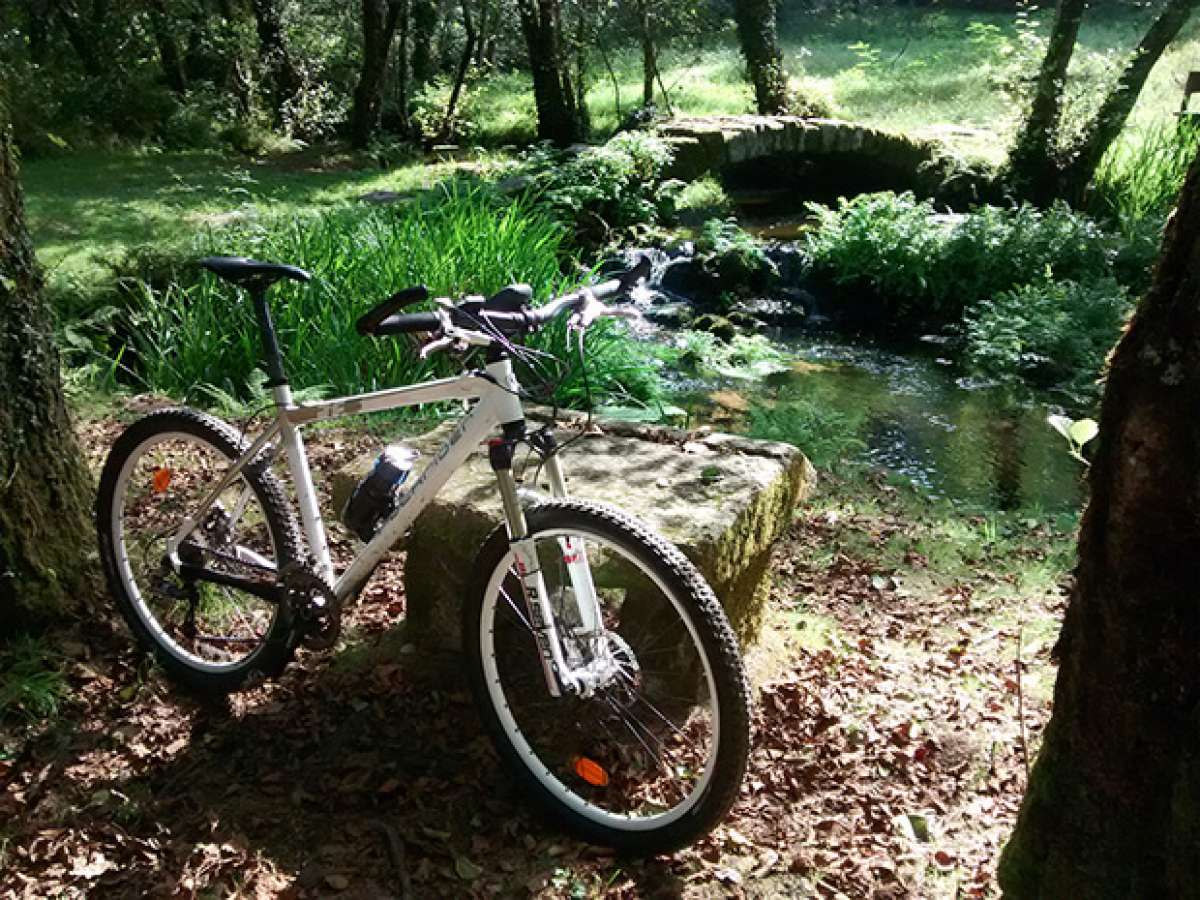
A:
369	322
409	323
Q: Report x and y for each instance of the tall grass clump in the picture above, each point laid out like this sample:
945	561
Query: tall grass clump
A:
32	683
1140	177
1136	188
196	339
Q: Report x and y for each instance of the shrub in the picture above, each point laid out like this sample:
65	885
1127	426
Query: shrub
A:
886	242
604	192
733	257
1048	332
198	335
702	200
827	435
1140	176
920	265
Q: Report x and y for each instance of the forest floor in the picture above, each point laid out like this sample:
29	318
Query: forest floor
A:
900	692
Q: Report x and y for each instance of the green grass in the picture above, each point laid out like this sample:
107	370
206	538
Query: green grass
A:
1140	177
87	211
950	73
32	683
929	71
198	340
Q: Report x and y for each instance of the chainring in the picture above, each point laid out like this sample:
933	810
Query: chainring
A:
315	608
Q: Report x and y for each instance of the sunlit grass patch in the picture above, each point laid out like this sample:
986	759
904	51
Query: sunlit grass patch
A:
32	683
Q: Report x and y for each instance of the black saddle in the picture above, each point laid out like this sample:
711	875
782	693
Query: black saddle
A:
240	270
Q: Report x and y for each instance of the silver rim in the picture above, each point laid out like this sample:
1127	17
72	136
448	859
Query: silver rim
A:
125	566
495	598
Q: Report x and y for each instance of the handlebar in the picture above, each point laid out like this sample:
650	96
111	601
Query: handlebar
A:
469	316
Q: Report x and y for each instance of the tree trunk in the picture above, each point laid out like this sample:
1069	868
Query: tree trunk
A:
45	487
82	37
464	65
1033	162
558	116
402	67
168	51
273	51
1113	805
649	54
760	46
379	27
1114	112
37	14
424	27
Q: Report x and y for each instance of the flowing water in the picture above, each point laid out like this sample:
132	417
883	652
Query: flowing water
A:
916	416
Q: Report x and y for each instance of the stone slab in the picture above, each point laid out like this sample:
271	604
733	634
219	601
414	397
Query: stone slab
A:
724	500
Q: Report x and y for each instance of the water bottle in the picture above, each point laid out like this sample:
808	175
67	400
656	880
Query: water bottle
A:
376	497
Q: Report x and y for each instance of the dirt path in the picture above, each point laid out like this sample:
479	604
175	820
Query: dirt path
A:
889	754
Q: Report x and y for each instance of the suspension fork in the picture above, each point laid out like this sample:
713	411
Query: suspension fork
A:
529	572
574	553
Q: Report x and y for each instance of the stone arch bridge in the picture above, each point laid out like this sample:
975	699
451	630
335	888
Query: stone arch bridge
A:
782	150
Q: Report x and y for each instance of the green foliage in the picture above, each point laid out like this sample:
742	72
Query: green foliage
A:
1136	188
198	339
733	256
745	357
827	436
702	200
604	193
32	683
1048	332
929	267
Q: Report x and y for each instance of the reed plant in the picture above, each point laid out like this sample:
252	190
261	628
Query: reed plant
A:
1139	180
199	338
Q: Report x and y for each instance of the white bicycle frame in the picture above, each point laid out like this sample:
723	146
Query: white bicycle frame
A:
496	391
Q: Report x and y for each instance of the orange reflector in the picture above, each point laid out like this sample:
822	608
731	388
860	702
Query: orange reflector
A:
590	771
161	480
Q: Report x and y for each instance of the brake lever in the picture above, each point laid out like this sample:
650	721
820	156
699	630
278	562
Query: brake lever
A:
435	346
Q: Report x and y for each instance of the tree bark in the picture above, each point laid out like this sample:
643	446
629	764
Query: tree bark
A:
402	67
168	51
756	30
275	54
1113	805
82	37
558	116
424	26
379	27
1033	162
45	486
464	66
649	53
1114	112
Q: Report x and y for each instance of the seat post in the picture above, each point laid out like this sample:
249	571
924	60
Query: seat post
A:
274	359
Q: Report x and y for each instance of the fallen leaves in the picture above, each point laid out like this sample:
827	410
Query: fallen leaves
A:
885	759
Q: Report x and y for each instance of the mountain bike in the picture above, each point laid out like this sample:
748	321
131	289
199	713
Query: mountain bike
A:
604	668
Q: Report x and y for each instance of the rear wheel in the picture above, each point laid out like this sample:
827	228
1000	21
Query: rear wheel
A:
207	636
654	759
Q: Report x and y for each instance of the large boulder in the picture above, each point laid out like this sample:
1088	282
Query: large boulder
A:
723	500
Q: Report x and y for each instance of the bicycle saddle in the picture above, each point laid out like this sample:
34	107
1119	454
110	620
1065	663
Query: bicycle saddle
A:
240	270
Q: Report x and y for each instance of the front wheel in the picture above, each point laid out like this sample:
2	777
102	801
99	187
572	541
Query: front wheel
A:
655	757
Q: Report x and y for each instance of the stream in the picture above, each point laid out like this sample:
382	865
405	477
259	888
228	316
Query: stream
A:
915	416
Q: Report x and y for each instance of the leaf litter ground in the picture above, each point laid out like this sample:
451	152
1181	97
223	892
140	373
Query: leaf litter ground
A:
903	681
